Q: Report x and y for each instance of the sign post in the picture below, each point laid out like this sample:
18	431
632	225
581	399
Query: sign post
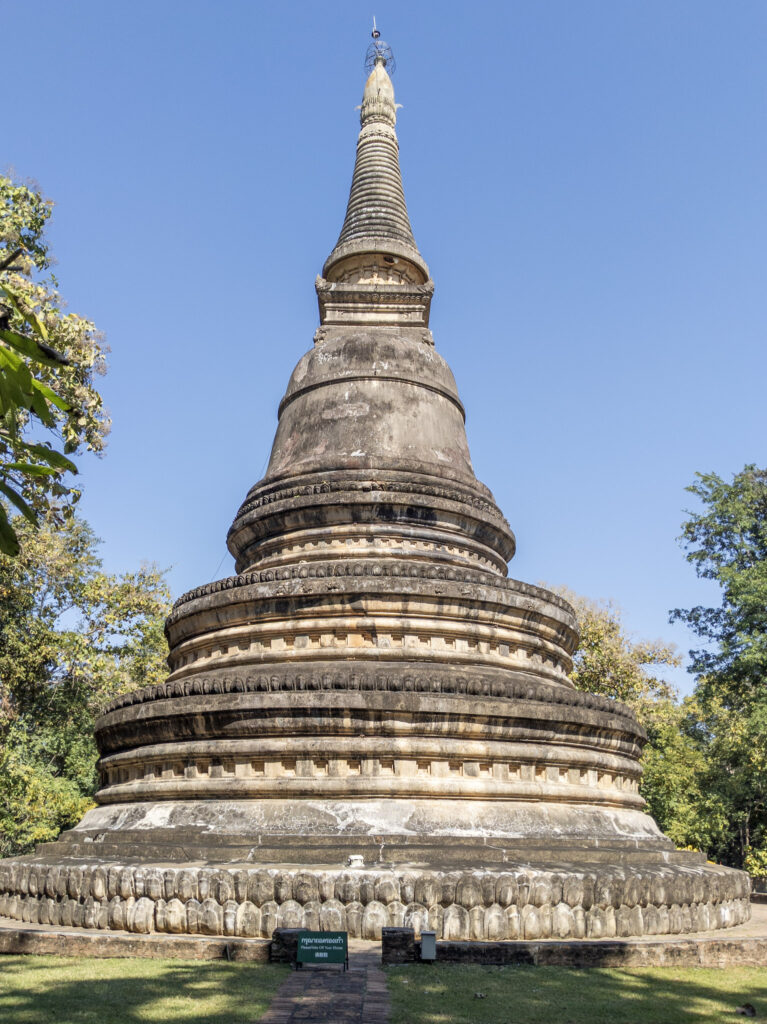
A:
323	948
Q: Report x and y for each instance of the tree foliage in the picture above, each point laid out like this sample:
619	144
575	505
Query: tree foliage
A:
705	763
72	636
49	406
612	663
726	542
609	662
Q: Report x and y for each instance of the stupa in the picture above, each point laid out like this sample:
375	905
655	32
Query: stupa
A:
371	724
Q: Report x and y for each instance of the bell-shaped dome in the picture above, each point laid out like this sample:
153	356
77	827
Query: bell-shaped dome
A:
371	419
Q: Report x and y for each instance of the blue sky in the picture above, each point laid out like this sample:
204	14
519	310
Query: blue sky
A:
586	181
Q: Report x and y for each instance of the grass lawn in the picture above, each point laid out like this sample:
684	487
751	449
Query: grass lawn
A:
39	989
445	994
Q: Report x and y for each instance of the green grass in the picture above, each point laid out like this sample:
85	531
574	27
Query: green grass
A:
445	994
42	989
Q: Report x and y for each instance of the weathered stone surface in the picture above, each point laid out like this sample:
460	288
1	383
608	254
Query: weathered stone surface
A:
247	920
562	922
332	916
174	917
194	916
401	946
270	917
186	886
98	884
347	888
230	917
455	922
407	886
416	917
291	914
260	888
530	922
142	918
354	915
468	892
477	923
311	916
211	917
204	885
386	888
306	887
481	920
495	926
436	917
124	884
374	919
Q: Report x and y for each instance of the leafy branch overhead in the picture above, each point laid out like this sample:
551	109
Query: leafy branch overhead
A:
49	407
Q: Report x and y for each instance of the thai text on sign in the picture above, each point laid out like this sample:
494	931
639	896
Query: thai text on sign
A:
322	948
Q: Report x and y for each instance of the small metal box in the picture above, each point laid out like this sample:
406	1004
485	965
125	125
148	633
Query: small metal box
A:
428	945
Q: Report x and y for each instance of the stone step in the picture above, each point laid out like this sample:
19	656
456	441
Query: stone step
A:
468	857
182	836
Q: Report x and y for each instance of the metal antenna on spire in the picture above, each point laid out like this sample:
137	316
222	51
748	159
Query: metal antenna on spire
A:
379	52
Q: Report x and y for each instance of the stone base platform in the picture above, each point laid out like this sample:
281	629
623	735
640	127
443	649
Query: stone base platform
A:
743	946
520	901
40	939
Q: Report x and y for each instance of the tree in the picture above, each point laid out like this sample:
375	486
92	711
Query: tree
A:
609	662
71	637
48	360
726	542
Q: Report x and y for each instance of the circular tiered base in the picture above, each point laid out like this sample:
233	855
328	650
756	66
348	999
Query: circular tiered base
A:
467	869
519	900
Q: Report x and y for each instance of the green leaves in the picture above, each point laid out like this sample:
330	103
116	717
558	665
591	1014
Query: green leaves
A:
726	542
9	542
48	455
17	500
48	360
676	761
610	662
23	216
71	637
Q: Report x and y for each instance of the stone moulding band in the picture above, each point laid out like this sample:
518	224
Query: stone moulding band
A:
345	540
506	591
399	753
199	787
183	771
283	491
528	903
385	639
360	678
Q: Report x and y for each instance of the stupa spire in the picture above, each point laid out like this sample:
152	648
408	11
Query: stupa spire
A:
376	244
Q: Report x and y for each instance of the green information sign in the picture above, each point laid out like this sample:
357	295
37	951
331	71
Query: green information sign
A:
323	948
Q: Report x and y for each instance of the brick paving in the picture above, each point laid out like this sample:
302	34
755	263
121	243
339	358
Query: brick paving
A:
328	995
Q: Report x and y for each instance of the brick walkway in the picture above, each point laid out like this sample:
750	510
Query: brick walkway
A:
326	995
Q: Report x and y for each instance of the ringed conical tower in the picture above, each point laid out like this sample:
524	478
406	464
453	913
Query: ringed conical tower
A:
371	686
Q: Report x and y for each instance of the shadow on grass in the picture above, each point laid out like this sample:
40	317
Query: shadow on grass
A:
446	994
34	990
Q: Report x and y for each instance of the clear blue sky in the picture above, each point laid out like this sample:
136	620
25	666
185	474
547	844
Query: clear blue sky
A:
586	181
